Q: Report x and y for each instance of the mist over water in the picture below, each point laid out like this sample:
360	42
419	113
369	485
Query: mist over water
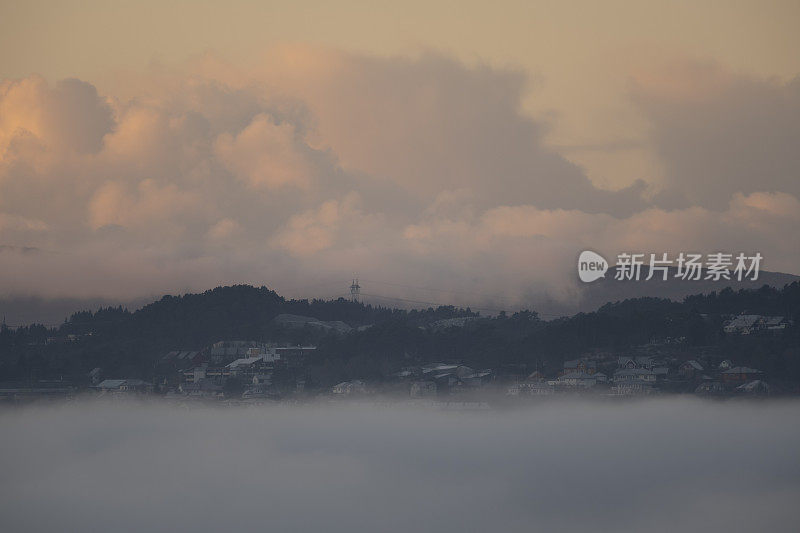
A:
657	465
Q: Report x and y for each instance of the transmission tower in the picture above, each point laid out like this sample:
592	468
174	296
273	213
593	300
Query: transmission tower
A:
355	291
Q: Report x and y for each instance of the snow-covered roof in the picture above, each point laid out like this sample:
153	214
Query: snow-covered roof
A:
244	361
694	364
111	383
743	321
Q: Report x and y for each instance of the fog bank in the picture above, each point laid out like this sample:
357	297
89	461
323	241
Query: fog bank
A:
660	465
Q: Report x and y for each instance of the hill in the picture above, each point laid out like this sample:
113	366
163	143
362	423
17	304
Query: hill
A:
129	343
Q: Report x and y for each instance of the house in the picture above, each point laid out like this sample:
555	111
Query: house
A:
710	388
747	324
124	386
754	388
742	324
740	374
110	385
727	364
774	324
535	376
202	388
634	374
291	356
577	379
247	366
580	365
422	389
690	369
626	362
260	392
530	388
477	379
349	388
632	388
262	379
440	368
404	374
661	372
191	375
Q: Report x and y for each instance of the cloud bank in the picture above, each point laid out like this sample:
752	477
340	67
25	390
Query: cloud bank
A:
314	164
664	465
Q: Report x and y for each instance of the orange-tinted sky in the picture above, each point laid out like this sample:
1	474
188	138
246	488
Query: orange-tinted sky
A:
580	55
212	138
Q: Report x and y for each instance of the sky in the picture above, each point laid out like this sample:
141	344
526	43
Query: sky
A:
153	147
672	464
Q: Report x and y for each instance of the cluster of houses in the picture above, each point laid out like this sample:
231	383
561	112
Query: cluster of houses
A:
597	374
208	373
430	380
642	375
251	365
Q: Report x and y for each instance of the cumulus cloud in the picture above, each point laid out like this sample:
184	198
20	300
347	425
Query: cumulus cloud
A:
332	223
430	124
265	154
313	164
663	465
718	133
67	116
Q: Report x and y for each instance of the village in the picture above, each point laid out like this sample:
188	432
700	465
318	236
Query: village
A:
207	375
255	372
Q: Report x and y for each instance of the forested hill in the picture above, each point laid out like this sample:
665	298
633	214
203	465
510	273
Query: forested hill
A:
128	343
233	312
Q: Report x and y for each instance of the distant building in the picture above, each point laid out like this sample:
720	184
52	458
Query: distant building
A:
252	364
742	324
748	324
580	365
661	372
577	379
740	374
690	369
180	359
530	388
754	388
110	386
477	379
349	388
632	388
535	376
422	389
710	388
203	388
634	374
774	323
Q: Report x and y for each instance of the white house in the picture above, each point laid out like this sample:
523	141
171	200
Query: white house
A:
577	379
